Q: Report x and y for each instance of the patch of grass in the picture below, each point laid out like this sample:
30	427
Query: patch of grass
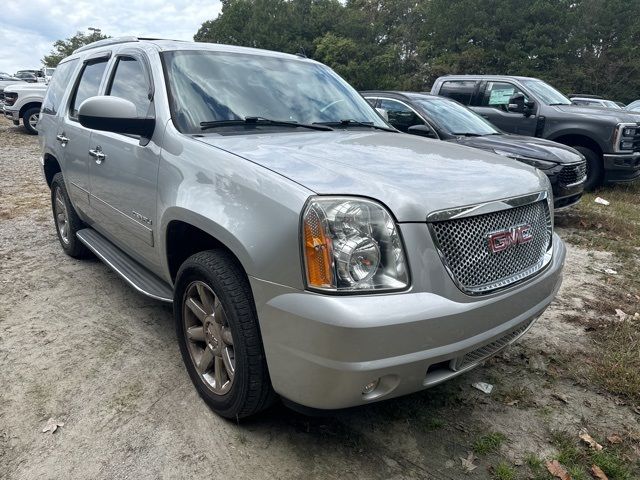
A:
611	464
433	423
504	471
489	443
537	467
519	394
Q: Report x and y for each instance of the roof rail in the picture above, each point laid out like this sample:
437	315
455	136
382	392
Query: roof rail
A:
105	42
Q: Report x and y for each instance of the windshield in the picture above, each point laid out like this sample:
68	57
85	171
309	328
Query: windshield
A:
455	118
49	71
546	93
206	86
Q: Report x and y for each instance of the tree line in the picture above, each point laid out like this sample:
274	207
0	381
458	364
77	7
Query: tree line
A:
579	46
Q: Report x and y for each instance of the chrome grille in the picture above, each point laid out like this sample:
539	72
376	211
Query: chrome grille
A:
490	349
464	247
573	174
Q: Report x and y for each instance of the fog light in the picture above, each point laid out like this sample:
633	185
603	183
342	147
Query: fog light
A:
370	387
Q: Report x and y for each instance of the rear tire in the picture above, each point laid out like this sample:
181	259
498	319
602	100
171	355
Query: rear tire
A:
66	219
29	120
219	336
595	168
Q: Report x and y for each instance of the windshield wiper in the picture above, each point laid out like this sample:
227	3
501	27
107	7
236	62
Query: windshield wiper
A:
468	134
355	123
261	121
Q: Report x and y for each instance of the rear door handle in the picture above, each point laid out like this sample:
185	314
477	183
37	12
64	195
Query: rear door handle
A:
98	155
62	139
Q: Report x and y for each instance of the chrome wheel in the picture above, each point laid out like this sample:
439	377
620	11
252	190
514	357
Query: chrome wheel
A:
208	337
61	216
33	120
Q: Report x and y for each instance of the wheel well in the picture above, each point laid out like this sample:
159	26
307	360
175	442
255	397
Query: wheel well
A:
184	240
28	106
51	167
579	140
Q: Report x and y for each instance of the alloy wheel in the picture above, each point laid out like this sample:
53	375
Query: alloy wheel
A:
208	337
33	120
62	217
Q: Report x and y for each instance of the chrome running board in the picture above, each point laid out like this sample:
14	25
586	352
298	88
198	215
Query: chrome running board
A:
131	271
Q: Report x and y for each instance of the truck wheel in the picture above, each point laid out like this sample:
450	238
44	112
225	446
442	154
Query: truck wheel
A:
30	118
219	337
66	220
595	168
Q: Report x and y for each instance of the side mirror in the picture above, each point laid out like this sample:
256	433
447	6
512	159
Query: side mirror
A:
383	112
422	130
516	103
113	114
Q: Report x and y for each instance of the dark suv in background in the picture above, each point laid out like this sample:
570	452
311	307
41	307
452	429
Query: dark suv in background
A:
439	117
609	139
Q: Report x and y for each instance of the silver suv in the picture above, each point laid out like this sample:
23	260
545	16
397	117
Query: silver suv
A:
309	249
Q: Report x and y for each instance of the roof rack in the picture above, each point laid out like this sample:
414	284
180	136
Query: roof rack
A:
105	42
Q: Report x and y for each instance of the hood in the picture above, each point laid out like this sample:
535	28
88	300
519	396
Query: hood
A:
413	176
531	147
27	87
616	116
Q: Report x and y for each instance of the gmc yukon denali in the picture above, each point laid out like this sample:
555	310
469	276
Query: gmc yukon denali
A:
609	139
310	251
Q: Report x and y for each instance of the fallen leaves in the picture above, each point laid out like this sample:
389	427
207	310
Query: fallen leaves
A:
557	470
614	439
597	472
588	439
52	425
467	463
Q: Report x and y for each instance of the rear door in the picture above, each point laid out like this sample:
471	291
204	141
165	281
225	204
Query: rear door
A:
124	174
492	102
74	138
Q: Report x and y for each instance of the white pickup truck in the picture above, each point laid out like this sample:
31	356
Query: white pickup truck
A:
23	101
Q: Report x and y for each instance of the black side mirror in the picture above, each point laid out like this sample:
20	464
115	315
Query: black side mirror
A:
422	130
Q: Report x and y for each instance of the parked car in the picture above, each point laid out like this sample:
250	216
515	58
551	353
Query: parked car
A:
37	72
609	139
23	102
309	249
47	73
27	76
595	102
5	81
633	106
445	119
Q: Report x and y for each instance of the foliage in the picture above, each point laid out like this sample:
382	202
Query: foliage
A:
580	46
64	48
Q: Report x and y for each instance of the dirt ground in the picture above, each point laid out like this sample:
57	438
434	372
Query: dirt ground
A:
79	345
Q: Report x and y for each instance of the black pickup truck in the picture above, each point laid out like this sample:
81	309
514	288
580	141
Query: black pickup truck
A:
609	139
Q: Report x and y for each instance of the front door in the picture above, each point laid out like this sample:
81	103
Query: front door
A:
124	169
493	105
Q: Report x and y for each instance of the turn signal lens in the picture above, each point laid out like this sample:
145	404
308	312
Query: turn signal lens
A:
318	249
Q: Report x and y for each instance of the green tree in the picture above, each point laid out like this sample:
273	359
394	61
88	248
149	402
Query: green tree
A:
64	48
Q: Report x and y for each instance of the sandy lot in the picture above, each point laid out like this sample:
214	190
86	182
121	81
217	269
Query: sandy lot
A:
77	344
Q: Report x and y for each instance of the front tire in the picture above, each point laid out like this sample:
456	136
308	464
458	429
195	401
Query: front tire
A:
66	219
30	119
595	168
219	336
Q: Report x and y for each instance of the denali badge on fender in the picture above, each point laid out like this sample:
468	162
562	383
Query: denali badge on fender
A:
504	239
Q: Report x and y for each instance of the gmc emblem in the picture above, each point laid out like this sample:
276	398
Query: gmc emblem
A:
505	239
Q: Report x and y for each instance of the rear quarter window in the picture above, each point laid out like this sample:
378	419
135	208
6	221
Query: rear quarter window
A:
459	90
58	85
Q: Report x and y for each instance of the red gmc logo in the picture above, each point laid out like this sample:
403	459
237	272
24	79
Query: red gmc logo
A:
505	239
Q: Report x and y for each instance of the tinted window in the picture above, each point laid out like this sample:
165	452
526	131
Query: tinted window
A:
372	101
454	118
400	115
130	82
89	84
213	86
57	87
460	90
497	94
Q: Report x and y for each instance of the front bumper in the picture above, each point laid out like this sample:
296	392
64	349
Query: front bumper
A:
322	349
621	168
564	195
11	113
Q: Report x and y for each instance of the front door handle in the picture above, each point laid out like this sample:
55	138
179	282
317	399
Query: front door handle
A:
62	139
97	154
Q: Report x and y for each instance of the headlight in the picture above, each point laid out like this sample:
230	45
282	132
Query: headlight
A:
352	245
624	136
534	162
